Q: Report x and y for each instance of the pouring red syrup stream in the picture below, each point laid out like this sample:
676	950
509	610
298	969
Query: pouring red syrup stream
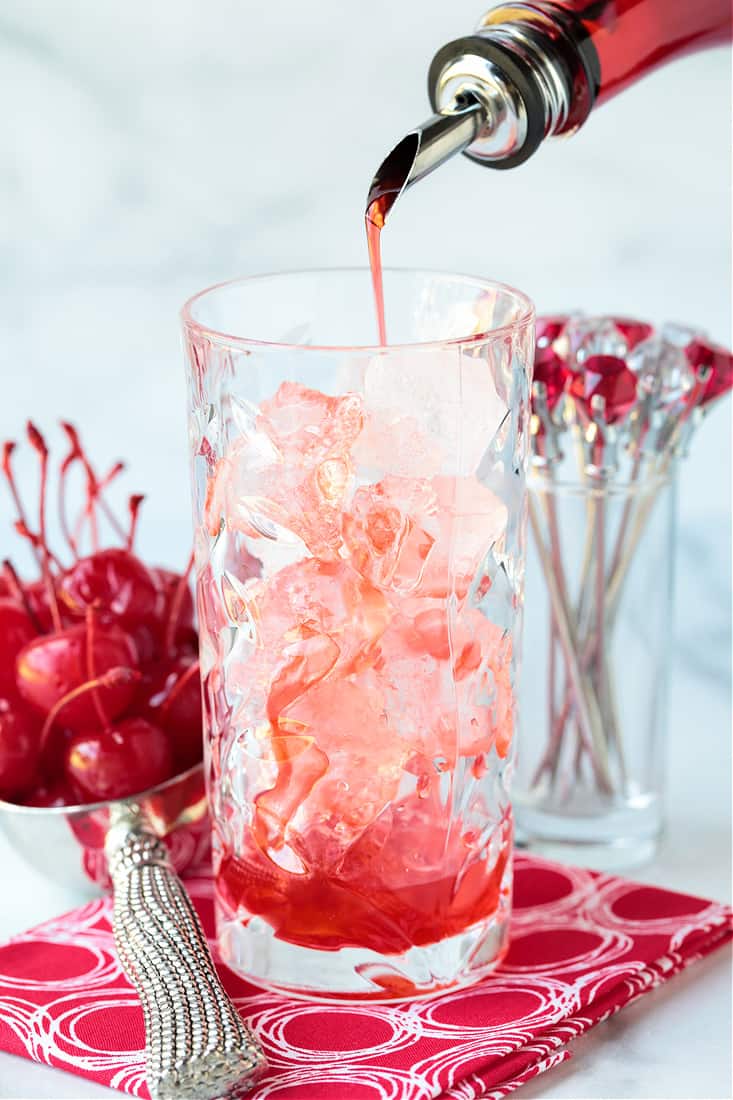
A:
357	906
374	221
385	189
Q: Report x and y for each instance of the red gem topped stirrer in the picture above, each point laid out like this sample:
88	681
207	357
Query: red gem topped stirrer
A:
625	399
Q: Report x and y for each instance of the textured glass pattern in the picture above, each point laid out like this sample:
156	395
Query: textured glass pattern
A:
360	558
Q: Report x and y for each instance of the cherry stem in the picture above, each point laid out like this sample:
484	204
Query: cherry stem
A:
90	509
91	671
36	543
109	514
120	674
8	448
192	670
95	486
15	585
134	508
174	613
114	472
74	455
39	445
61	500
99	501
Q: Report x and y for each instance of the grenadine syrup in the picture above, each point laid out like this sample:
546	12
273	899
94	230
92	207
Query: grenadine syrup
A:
374	221
381	896
386	188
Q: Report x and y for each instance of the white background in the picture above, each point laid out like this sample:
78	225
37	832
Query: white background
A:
147	150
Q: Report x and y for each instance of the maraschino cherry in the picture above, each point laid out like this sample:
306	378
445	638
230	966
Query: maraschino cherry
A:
19	748
53	666
174	703
52	796
99	692
116	584
16	631
177	597
37	602
126	758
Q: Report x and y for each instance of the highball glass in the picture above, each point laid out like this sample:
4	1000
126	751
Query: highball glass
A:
360	520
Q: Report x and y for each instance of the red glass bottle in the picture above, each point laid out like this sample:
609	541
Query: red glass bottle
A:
632	37
539	68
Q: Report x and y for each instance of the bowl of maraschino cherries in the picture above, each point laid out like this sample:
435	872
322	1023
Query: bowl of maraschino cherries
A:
99	684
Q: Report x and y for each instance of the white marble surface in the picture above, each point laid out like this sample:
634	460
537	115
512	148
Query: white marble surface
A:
148	150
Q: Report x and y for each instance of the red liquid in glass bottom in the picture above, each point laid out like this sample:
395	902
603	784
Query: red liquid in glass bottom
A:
375	898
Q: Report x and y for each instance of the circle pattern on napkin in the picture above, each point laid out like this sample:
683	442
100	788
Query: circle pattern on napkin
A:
583	945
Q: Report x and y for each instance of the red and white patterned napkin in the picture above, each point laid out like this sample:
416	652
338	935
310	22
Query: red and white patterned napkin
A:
583	946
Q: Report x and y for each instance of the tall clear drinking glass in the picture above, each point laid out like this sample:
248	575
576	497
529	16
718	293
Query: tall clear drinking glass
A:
360	520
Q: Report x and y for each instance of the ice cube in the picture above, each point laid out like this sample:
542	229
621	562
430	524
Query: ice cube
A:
469	520
287	475
445	676
395	441
308	425
385	531
414	681
429	412
310	619
327	598
423	535
315	626
346	721
298	764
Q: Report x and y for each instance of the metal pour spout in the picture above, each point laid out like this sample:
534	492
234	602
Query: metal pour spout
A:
421	151
498	94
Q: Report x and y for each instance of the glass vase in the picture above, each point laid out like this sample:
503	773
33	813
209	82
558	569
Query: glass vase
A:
359	516
600	579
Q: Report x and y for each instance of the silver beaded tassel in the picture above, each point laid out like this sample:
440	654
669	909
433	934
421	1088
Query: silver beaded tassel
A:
197	1047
